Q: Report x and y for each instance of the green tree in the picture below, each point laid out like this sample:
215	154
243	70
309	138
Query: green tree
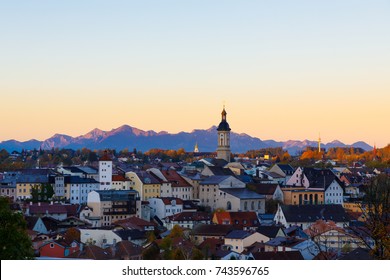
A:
176	231
15	244
271	206
151	253
42	193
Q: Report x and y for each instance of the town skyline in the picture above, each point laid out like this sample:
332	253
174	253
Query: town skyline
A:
287	71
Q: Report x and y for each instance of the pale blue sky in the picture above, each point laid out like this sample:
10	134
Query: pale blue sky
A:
145	63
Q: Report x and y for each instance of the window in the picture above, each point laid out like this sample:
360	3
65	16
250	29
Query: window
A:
51	245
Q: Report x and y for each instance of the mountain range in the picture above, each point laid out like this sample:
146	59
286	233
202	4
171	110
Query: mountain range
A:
130	137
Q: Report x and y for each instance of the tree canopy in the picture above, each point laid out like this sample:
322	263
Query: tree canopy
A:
15	244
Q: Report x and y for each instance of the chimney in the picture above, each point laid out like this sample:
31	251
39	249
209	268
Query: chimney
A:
31	203
39	204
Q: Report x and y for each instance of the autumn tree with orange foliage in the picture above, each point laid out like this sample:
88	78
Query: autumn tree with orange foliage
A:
311	155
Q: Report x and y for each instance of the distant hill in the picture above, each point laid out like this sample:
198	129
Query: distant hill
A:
130	137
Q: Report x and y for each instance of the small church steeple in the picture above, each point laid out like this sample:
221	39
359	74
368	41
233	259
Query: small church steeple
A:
196	149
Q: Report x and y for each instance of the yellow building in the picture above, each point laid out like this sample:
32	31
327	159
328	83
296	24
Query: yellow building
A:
25	183
145	183
302	196
355	207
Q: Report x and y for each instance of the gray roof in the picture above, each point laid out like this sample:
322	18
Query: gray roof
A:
32	179
312	213
88	169
220	171
211	230
131	234
8	183
269	231
214	180
238	234
117	195
147	178
243	193
286	168
79	180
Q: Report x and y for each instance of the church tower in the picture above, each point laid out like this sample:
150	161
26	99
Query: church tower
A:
223	150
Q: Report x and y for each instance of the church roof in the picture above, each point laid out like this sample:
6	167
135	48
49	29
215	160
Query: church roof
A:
223	126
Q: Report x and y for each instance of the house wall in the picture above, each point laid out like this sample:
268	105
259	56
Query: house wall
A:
23	190
55	250
292	196
59	186
79	192
145	191
40	227
278	194
238	245
8	192
185	193
195	187
121	185
208	195
297	180
166	190
161	210
99	237
334	194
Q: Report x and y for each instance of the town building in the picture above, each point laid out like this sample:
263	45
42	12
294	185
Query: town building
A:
105	172
105	207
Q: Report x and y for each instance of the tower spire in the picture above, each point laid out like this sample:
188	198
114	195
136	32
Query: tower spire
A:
319	142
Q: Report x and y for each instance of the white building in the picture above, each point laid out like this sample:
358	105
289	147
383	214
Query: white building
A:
165	206
80	188
105	172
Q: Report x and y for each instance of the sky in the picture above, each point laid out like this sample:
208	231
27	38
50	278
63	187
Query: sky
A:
284	69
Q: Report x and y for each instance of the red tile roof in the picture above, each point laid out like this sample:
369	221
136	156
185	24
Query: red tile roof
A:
119	178
175	179
105	157
47	209
92	252
168	200
126	249
190	216
134	222
238	220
